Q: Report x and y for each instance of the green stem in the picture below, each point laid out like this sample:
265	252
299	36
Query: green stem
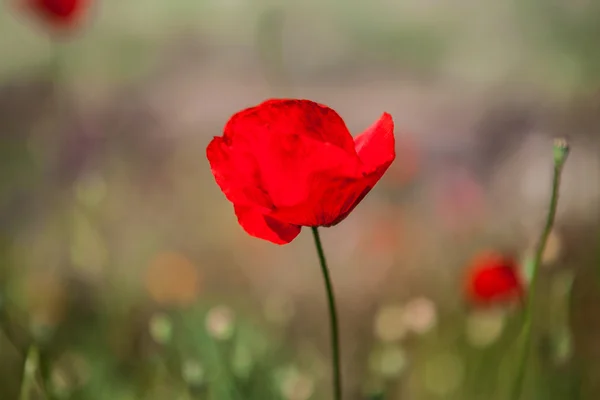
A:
333	319
561	150
29	371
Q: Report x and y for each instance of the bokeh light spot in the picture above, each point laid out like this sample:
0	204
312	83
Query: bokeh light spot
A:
172	279
296	385
484	327
389	361
192	372
220	322
161	328
389	323
420	315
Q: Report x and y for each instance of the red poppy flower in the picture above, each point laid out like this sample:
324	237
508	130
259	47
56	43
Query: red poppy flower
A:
287	163
57	13
492	279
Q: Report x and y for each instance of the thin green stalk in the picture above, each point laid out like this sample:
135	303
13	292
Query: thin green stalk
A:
561	151
333	319
31	365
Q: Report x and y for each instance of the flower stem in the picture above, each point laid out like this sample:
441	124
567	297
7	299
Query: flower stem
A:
333	319
561	151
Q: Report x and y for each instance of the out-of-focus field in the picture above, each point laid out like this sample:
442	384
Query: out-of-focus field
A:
124	263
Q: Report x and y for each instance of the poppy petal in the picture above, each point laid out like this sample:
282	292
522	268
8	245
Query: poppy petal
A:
291	117
331	196
376	147
298	146
354	194
237	175
264	227
336	192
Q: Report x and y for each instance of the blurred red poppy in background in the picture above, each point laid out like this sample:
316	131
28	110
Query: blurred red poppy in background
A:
58	14
493	278
289	163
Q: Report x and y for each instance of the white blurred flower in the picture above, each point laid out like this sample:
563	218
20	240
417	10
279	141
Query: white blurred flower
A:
220	322
420	315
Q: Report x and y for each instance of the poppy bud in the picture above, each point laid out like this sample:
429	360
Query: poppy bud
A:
57	14
492	279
